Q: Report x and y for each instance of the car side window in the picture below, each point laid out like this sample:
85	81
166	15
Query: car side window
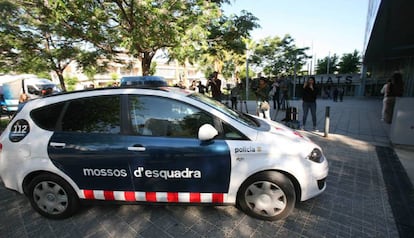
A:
231	133
157	116
46	117
93	115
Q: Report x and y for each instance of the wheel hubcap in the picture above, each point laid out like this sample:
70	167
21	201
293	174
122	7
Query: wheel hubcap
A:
50	197
265	198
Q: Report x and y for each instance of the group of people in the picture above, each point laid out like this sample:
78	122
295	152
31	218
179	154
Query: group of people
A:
392	89
213	84
264	92
278	93
309	95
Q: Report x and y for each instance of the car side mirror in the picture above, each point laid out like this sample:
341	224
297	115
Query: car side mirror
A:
207	132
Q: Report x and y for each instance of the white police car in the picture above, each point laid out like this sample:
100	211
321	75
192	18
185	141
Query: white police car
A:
155	145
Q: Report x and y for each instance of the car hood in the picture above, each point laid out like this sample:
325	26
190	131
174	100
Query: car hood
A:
282	138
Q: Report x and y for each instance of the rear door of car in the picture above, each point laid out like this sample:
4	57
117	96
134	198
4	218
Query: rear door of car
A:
88	144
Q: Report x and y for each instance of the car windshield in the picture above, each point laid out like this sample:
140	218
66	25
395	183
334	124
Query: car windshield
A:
239	116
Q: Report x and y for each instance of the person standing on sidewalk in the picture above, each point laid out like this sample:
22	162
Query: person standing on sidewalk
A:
214	83
393	89
335	94
309	101
384	100
284	91
274	94
234	95
341	93
262	97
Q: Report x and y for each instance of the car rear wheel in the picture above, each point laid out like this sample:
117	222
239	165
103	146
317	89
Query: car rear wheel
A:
267	196
52	197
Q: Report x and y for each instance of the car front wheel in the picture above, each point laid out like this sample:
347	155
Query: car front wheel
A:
52	197
268	196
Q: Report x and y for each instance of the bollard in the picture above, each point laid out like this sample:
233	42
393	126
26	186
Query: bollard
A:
326	131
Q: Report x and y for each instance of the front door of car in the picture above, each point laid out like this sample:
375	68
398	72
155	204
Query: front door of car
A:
169	157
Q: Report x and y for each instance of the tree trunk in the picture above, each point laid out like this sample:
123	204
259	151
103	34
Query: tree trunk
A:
61	80
146	63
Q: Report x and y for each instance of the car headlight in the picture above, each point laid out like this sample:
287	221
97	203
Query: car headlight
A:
316	155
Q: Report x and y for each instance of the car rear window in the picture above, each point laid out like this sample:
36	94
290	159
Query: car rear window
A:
91	115
46	117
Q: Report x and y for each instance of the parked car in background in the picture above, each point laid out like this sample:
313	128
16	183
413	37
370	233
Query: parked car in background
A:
13	86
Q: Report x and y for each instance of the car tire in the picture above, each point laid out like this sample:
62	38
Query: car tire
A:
268	196
52	197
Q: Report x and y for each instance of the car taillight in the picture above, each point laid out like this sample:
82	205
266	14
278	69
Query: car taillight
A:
1	147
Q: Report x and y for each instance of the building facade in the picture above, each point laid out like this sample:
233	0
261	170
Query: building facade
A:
388	45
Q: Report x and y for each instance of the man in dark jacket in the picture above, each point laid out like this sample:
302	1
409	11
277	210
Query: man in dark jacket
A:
214	84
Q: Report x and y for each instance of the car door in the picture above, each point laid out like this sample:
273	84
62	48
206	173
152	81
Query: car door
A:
88	145
169	155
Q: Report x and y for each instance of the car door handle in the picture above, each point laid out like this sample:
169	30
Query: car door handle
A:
136	148
57	144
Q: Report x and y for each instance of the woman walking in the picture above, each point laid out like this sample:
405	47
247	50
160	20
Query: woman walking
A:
309	101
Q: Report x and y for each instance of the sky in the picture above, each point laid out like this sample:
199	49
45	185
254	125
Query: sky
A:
327	27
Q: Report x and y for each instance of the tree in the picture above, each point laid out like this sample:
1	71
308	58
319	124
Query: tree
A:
81	30
139	28
322	65
221	48
349	63
279	56
227	42
37	43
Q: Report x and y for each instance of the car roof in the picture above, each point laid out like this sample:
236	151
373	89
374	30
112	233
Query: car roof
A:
175	90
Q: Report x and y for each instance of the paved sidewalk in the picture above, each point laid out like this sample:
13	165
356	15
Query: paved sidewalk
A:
356	118
357	202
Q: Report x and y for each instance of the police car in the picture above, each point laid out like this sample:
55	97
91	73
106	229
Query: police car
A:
155	145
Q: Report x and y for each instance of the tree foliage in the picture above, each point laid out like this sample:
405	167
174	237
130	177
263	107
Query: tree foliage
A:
222	47
227	42
34	41
47	35
322	65
41	35
140	28
349	63
279	56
